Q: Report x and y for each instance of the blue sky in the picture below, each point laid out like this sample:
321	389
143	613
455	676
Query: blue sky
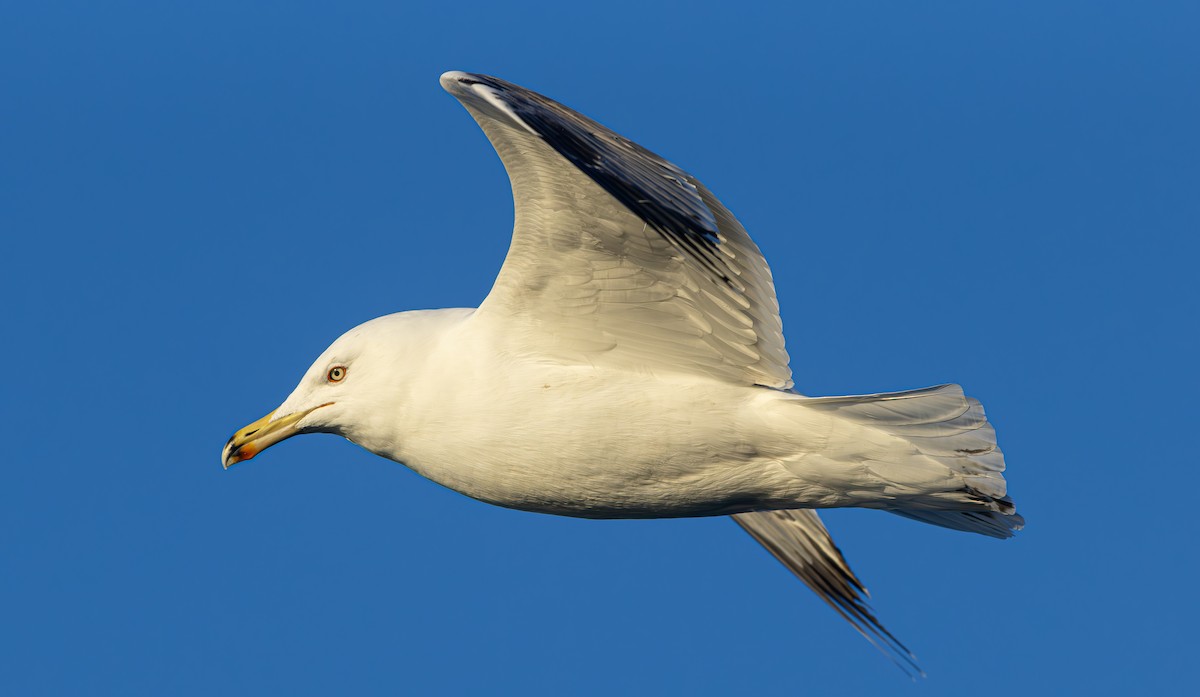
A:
196	198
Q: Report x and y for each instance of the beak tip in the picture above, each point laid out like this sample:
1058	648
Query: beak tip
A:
231	457
260	435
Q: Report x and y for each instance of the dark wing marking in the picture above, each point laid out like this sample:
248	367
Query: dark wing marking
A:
799	540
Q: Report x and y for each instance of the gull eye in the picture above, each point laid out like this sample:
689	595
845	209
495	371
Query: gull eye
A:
337	373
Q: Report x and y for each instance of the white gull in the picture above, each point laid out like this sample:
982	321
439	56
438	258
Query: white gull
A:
629	362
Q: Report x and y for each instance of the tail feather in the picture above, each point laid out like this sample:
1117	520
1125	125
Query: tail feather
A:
990	523
946	428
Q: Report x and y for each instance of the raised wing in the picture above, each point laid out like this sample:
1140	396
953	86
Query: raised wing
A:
799	540
618	256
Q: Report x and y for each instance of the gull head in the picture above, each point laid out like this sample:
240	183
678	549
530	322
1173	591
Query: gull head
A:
359	378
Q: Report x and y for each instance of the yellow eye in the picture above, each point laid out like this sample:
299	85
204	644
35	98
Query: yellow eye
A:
337	373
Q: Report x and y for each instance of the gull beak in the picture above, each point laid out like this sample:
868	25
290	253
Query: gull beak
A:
262	434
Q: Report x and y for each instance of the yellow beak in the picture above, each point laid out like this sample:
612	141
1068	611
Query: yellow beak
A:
262	434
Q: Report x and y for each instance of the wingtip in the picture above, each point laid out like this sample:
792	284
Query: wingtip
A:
483	93
454	80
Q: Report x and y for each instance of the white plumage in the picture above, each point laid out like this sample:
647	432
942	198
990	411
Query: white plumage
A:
629	363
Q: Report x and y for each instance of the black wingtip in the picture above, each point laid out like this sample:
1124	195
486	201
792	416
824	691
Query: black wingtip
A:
654	189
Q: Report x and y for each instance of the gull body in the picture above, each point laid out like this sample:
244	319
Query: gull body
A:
430	389
629	363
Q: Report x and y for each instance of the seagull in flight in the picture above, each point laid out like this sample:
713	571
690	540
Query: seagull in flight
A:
629	362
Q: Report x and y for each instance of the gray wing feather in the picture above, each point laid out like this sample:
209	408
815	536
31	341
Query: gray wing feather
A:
799	540
619	255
